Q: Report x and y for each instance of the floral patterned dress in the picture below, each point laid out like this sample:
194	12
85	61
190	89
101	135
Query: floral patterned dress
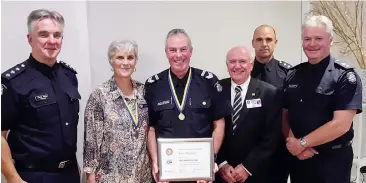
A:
114	146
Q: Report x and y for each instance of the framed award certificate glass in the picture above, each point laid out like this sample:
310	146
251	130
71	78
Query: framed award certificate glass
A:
186	159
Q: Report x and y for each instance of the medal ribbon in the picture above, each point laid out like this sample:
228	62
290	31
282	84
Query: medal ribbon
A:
180	106
134	118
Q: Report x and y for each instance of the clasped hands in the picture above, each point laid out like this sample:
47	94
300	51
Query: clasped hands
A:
294	147
232	175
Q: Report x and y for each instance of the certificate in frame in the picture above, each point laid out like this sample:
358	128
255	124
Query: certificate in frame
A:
186	159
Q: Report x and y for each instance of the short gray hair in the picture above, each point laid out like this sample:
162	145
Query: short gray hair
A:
251	54
124	45
318	21
175	32
40	14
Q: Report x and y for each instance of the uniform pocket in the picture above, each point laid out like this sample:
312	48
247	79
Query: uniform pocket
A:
45	105
164	112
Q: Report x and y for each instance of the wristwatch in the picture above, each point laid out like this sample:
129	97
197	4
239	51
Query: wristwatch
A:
303	142
215	157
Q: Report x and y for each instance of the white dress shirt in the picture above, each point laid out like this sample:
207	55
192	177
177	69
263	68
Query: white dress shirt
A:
244	90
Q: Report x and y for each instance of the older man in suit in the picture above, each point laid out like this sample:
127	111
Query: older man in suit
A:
253	130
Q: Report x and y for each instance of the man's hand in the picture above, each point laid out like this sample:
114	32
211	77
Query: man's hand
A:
241	174
155	172
307	153
227	172
293	146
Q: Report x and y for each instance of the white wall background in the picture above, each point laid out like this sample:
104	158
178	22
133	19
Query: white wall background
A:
214	28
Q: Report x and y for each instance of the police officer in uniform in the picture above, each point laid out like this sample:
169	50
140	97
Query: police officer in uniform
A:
272	71
184	102
322	96
39	109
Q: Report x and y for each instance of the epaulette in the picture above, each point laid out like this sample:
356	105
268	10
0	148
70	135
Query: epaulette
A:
207	74
284	65
67	66
152	79
14	71
343	64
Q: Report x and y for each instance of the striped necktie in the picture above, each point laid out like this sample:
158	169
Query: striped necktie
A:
237	106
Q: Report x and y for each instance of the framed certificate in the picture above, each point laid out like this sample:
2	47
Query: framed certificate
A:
186	159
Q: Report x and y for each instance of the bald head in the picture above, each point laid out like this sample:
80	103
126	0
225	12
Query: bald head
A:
239	50
266	27
264	43
239	64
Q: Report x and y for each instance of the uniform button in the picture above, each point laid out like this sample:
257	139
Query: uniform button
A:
66	123
300	100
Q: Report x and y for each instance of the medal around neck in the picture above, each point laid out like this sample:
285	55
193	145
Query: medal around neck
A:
180	106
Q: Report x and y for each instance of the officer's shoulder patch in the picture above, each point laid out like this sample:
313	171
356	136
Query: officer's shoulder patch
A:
351	77
67	66
342	64
218	86
152	79
3	88
207	74
284	65
14	71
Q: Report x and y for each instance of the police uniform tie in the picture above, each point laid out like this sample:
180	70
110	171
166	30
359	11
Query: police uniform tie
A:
237	106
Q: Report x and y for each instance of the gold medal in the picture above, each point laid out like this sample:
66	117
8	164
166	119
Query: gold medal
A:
181	116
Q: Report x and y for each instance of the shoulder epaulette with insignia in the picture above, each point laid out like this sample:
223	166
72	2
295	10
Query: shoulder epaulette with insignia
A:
284	64
14	71
207	74
153	78
342	64
68	67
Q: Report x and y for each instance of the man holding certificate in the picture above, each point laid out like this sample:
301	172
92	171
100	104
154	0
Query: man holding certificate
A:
253	130
184	103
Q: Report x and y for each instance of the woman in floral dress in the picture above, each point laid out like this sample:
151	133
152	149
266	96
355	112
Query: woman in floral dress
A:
115	123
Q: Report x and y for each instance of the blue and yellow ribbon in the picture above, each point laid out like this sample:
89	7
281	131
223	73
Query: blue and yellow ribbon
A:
180	106
134	117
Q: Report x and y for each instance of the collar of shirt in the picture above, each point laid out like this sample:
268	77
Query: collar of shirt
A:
244	88
179	82
116	92
321	66
271	65
42	68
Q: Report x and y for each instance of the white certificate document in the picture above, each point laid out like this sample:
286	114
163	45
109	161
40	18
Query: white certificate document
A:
186	160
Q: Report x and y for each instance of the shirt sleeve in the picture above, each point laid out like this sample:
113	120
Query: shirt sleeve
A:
93	116
9	106
220	107
349	92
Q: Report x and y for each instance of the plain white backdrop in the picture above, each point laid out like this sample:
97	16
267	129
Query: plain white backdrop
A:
214	28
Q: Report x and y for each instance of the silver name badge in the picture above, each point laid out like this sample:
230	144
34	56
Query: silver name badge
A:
41	97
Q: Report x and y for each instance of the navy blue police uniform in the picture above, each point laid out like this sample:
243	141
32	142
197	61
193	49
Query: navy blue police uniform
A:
312	94
274	72
203	105
40	107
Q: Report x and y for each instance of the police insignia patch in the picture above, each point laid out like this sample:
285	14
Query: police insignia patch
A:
3	88
351	77
218	87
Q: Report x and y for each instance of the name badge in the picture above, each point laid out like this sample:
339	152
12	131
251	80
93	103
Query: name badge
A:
253	103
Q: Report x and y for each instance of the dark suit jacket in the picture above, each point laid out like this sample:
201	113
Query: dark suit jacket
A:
258	132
